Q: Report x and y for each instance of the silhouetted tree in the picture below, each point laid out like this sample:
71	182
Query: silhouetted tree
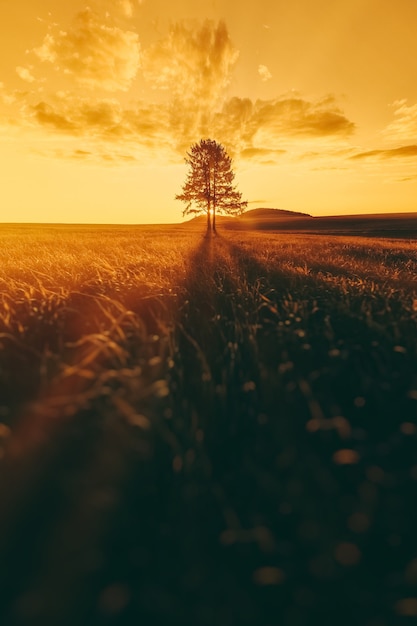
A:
209	185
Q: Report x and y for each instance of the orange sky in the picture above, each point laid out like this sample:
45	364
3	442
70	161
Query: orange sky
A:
316	102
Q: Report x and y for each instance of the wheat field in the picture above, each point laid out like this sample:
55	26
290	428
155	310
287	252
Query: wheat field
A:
206	431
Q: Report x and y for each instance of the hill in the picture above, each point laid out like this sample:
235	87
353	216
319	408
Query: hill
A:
202	219
272	214
391	225
255	218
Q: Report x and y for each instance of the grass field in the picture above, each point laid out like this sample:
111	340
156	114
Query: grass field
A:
201	432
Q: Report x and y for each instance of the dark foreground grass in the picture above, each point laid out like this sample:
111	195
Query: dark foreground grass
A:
234	444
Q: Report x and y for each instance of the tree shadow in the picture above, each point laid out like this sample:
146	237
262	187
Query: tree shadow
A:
216	354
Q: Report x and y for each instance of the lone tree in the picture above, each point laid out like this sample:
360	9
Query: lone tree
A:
209	185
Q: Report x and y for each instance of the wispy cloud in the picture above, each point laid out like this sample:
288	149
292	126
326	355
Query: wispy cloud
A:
194	62
393	153
296	116
101	155
25	74
264	73
333	153
261	153
247	126
404	126
45	115
95	53
127	6
104	119
407	179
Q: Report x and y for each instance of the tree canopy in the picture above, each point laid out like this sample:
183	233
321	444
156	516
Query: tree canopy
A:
209	184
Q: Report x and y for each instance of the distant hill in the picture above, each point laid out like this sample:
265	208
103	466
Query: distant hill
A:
200	219
271	214
256	214
393	225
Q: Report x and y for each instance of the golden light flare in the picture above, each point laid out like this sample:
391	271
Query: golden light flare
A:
99	102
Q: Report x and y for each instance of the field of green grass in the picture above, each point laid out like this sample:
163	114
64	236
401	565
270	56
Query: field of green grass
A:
207	431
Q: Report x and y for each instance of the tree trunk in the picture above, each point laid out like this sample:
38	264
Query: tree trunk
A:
214	168
208	219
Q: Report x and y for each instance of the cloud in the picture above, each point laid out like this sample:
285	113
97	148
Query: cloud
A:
124	7
17	100
75	128
404	126
191	67
194	62
257	131
249	153
264	73
328	153
393	153
295	116
96	54
329	168
246	126
128	6
97	155
407	179
104	119
77	154
46	116
25	74
261	155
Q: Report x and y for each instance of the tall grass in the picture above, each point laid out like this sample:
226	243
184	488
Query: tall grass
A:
200	431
